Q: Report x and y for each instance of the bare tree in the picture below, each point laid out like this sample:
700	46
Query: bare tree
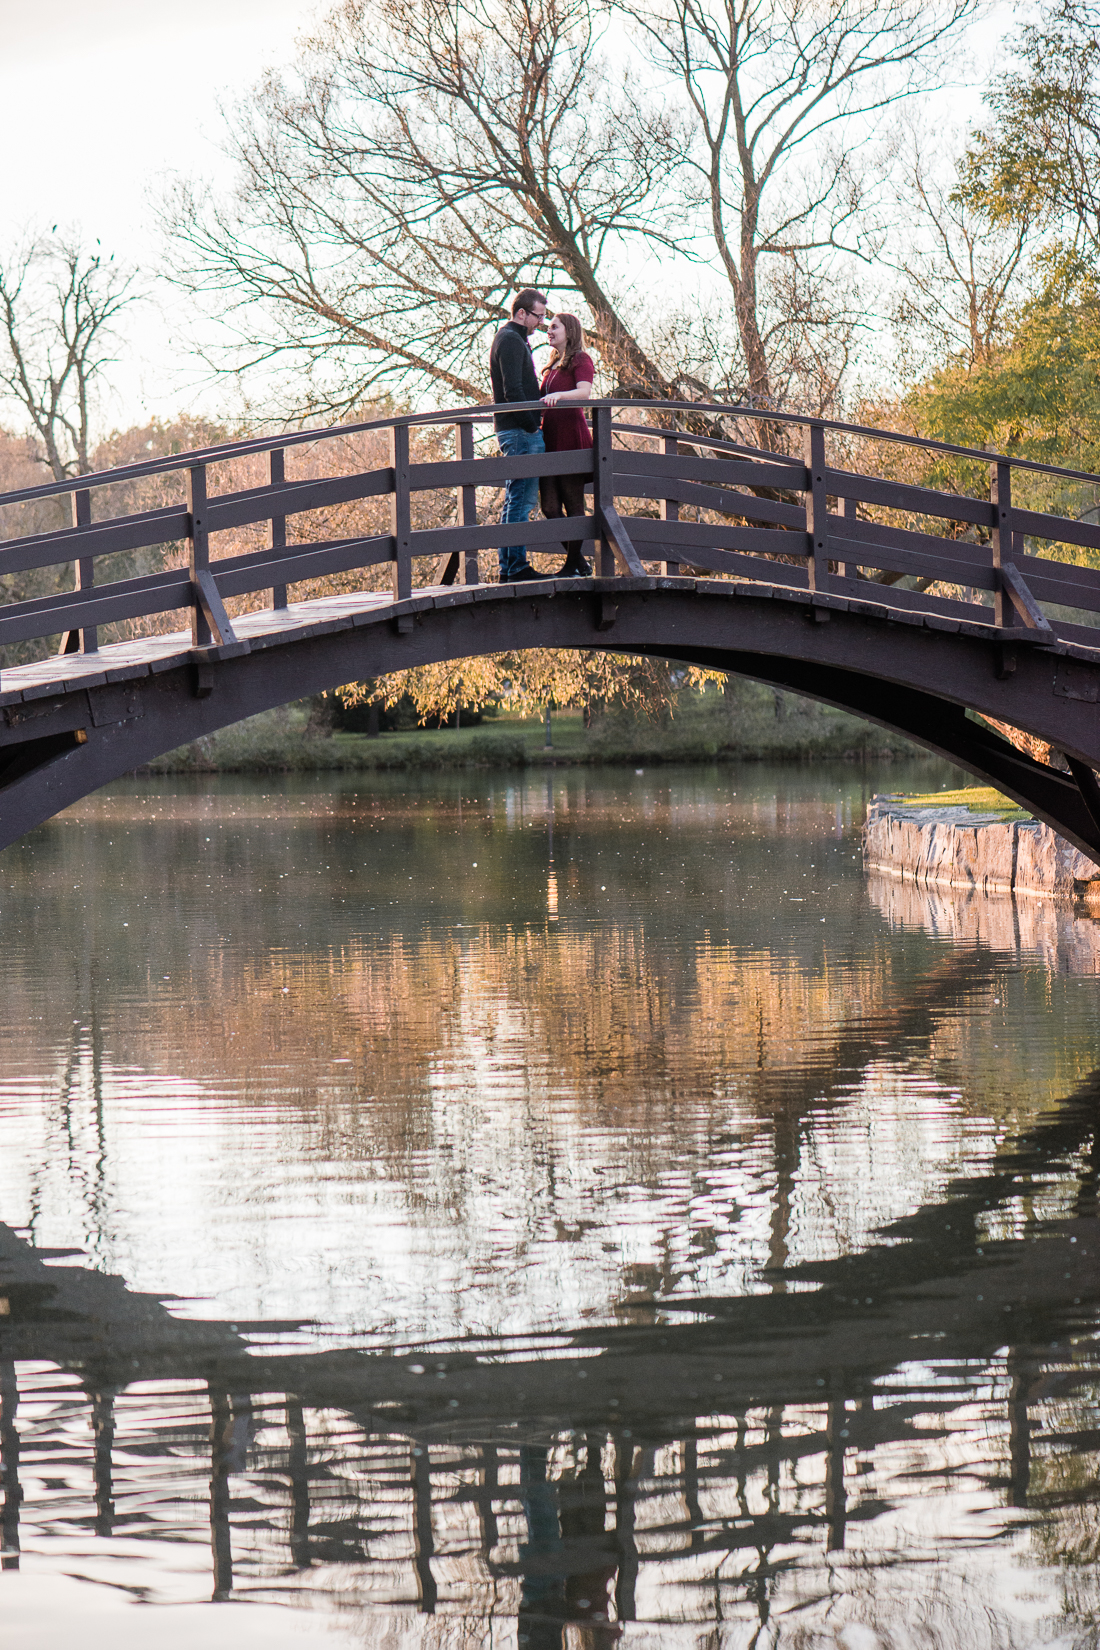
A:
59	304
429	157
780	93
961	272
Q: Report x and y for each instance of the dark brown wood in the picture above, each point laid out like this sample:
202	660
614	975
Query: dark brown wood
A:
1026	607
722	500
849	510
446	570
198	540
1000	496
658	468
620	541
294	498
102	538
779	462
437	541
213	608
670	507
276	469
895	495
817	513
400	513
603	490
493	472
467	498
81	641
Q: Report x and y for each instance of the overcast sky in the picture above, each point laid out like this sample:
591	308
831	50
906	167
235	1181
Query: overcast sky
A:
98	100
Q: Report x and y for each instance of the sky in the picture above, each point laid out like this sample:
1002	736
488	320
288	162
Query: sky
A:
100	100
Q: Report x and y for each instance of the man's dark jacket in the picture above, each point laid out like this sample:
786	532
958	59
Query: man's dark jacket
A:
514	378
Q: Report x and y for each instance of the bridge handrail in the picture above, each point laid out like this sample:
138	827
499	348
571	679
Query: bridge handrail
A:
482	412
780	527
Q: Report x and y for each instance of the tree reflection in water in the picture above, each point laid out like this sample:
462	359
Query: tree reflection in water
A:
699	1272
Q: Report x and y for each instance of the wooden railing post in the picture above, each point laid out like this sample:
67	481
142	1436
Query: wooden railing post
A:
849	509
276	473
817	530
603	488
198	550
82	641
400	513
209	620
467	498
614	541
670	507
1000	496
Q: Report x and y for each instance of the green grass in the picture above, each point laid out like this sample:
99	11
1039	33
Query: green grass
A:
980	799
746	723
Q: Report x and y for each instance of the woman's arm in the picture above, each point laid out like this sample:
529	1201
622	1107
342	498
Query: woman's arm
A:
565	397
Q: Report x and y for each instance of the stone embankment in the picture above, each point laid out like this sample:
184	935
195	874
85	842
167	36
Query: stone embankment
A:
975	841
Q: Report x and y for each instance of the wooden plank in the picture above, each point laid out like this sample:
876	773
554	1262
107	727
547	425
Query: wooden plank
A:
295	498
603	489
467	498
1061	581
619	539
687	536
670	507
778	461
87	640
722	500
714	472
100	538
1022	600
97	607
1058	529
920	564
849	510
400	514
198	551
896	495
276	470
1000	498
901	538
494	472
213	608
817	514
238	575
438	541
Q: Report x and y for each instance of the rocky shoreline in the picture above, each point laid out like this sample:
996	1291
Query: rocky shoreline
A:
981	845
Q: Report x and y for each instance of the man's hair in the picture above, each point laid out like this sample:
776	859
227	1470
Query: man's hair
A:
528	298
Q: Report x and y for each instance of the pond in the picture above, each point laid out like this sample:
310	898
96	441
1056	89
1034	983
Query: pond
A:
560	1208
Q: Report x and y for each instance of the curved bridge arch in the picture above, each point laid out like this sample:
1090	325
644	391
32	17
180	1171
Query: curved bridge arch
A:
785	608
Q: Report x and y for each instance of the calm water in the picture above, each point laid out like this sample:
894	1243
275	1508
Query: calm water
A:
552	1211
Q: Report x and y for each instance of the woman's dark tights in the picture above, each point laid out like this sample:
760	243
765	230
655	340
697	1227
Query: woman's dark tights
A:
564	496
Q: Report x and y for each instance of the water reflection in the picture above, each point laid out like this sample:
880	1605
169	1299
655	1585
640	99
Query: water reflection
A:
683	1270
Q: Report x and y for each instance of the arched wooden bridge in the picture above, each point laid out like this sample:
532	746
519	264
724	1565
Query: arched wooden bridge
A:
917	609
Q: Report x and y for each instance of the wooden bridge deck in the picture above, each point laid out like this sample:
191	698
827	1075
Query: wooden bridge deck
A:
722	553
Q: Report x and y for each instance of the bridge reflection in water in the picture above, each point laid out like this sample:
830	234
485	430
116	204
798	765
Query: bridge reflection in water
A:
718	1465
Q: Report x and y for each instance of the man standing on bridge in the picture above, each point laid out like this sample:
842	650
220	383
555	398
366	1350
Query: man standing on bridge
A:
513	375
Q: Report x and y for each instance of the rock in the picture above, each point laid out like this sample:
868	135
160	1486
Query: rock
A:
953	847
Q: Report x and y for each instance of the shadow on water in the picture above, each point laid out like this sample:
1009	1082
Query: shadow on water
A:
717	1454
833	1432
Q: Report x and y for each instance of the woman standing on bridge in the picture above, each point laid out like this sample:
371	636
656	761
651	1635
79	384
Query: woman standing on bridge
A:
566	383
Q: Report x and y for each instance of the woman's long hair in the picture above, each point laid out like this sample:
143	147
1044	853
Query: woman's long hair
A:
574	343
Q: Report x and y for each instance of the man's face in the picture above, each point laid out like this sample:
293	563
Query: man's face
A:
532	319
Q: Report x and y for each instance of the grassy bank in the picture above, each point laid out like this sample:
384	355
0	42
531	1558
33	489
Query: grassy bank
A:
747	722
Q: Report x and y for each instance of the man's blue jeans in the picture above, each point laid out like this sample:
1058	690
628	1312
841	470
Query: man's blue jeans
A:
520	496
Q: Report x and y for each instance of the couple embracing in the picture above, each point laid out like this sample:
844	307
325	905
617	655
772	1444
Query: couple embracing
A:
562	427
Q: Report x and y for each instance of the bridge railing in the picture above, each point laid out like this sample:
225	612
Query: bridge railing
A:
671	493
